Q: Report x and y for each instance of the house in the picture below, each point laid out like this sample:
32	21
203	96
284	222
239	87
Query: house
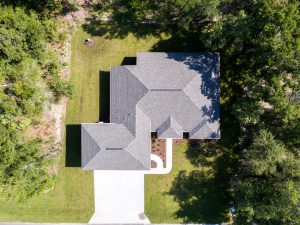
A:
171	94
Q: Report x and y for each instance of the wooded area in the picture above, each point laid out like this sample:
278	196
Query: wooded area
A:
30	82
259	45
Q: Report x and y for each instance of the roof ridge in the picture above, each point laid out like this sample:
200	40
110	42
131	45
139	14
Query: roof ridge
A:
135	158
141	93
170	124
200	126
93	158
172	118
135	137
184	89
92	137
95	143
126	66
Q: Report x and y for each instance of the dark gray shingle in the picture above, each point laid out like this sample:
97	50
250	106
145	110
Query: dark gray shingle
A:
170	93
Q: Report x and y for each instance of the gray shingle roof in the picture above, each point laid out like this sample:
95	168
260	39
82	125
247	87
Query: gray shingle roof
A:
170	93
170	129
125	92
108	146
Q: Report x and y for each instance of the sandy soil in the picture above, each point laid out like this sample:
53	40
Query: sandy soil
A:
51	126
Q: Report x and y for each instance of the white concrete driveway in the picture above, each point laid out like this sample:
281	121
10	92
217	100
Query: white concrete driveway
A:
119	197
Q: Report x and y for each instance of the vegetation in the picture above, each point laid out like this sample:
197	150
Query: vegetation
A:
72	197
29	80
259	46
45	8
267	189
196	189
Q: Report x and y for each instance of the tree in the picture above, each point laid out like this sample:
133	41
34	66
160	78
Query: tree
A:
260	66
30	81
265	154
266	190
186	14
44	8
247	111
23	166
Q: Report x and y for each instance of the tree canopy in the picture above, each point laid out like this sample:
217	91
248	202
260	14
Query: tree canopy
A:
259	44
30	81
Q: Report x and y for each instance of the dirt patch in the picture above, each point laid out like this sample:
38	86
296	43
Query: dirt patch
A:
78	15
50	128
158	147
68	25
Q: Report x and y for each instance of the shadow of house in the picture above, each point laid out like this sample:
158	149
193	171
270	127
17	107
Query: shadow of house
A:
73	145
73	131
128	61
104	100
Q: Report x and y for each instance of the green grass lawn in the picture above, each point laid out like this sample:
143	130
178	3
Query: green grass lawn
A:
160	206
196	195
72	198
196	190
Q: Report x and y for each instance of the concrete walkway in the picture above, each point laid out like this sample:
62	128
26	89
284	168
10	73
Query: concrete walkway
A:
169	160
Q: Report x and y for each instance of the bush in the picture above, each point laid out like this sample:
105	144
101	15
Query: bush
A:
61	87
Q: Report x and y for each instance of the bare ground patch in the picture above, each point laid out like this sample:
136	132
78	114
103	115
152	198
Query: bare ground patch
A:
158	147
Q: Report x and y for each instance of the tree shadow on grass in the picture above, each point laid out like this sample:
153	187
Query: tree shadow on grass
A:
203	195
73	145
179	41
114	29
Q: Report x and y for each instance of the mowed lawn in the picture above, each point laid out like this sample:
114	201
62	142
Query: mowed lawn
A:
160	205
72	199
188	194
195	191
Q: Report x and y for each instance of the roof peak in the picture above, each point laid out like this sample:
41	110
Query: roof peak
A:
170	128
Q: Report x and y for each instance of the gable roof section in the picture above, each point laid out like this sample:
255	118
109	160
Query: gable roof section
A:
159	105
202	130
170	129
114	160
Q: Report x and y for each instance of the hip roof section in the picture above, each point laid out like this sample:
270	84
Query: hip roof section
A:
166	92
